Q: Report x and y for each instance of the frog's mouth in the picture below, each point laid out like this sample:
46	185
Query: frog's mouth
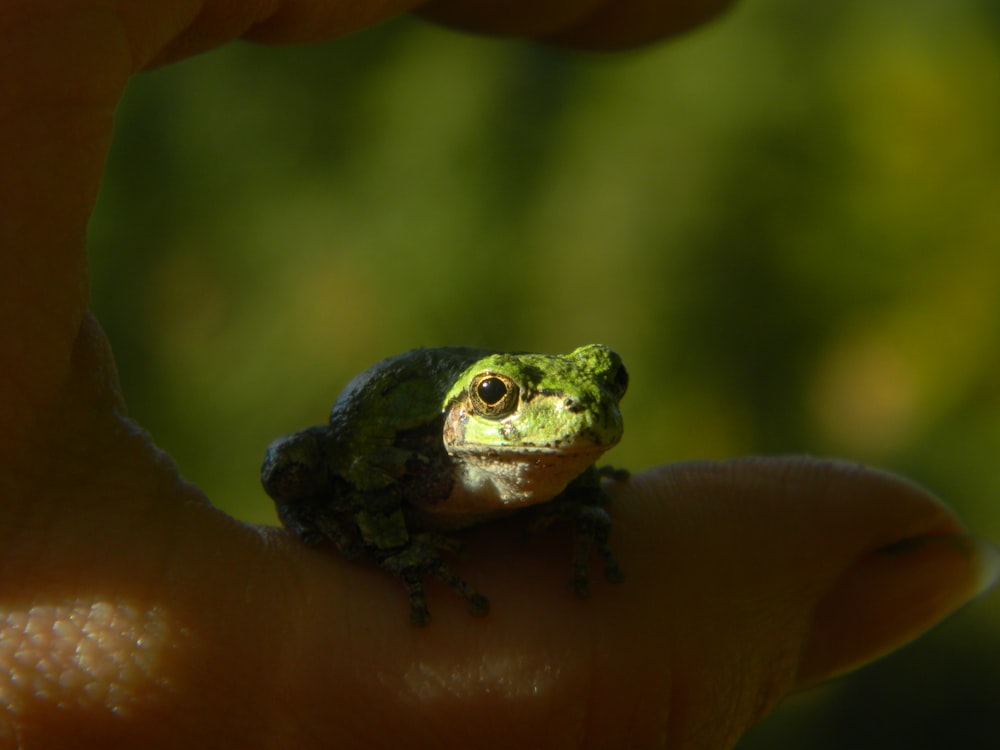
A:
497	465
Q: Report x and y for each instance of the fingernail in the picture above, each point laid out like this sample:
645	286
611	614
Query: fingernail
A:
984	557
891	596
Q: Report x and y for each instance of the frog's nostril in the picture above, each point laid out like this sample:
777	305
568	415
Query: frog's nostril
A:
572	405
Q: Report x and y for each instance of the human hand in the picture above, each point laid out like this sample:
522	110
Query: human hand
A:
134	614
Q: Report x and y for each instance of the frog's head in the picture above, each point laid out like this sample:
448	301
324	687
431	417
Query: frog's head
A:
525	425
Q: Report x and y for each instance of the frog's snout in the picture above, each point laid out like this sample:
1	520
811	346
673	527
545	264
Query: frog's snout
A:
618	382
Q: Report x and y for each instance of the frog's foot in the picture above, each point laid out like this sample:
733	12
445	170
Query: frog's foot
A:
414	583
610	472
582	505
477	604
420	559
592	529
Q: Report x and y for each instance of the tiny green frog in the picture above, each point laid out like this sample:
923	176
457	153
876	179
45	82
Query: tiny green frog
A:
434	440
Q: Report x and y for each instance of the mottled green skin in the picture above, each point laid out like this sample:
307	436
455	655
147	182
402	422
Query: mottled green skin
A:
413	450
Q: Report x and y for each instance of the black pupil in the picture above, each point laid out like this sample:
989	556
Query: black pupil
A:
491	390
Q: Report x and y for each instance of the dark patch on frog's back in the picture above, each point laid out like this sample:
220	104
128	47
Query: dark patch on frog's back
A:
423	442
364	411
428	473
441	367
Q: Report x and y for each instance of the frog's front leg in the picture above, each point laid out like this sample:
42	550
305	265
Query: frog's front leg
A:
413	557
420	558
582	504
592	528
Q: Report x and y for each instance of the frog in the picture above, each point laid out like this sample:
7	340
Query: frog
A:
432	441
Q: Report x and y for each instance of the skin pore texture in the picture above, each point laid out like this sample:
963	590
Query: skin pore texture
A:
133	614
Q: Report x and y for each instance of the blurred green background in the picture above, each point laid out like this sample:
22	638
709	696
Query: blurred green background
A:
788	224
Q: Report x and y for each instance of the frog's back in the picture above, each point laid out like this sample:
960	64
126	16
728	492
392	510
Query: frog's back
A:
401	393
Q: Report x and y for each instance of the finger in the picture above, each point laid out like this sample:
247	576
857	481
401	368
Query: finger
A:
870	558
735	579
890	596
586	24
733	570
742	583
63	69
746	579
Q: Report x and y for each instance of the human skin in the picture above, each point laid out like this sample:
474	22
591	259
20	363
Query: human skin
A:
133	614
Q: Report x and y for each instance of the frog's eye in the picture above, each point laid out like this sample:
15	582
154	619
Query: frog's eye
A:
493	395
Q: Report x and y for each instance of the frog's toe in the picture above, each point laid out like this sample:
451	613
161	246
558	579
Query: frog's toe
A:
616	475
419	615
612	570
613	573
579	584
479	605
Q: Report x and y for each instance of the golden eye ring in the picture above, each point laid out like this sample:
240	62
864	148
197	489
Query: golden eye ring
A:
493	395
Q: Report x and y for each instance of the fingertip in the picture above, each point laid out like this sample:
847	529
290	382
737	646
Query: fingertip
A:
861	561
892	595
594	25
629	24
